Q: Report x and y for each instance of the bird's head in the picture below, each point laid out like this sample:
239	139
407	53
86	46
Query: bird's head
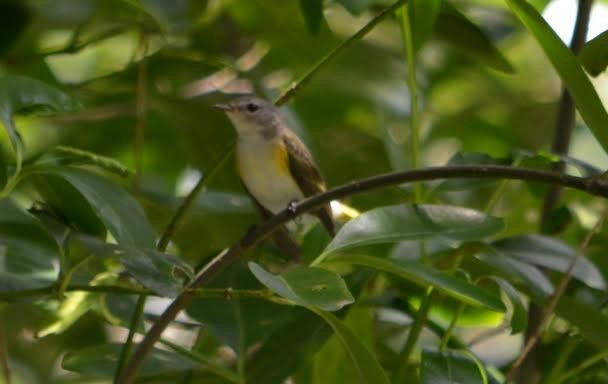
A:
251	115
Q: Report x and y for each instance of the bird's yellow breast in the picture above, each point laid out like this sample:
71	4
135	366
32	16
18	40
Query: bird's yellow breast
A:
263	165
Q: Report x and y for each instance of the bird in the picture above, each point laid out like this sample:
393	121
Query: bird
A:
275	166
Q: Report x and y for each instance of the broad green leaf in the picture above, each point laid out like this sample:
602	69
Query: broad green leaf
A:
396	223
307	286
160	272
355	6
239	322
531	276
119	212
363	362
100	361
19	94
569	69
28	253
425	276
552	254
594	54
514	303
313	14
423	15
590	321
455	28
450	367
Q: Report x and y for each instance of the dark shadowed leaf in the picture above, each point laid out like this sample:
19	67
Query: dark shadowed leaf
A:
313	14
427	276
450	367
363	362
28	253
590	321
470	158
101	361
307	286
569	69
513	301
422	15
414	222
594	54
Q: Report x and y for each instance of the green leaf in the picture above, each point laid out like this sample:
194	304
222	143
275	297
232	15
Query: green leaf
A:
467	184
307	286
423	15
550	253
19	94
512	299
14	18
72	307
590	321
119	212
363	362
100	361
396	223
28	253
569	69
355	7
594	54
313	14
448	367
160	272
425	276
456	29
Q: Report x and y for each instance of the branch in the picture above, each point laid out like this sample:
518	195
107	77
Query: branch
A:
593	186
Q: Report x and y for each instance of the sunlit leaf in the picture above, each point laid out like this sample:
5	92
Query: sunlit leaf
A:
307	286
569	69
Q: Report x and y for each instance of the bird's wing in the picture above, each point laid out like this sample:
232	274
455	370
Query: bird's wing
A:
306	174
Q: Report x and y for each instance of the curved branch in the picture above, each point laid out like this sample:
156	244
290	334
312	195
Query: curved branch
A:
593	186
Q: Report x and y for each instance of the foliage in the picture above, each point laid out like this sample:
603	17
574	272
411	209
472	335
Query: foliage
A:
115	192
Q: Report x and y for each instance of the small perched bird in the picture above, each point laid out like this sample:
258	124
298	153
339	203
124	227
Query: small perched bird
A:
273	163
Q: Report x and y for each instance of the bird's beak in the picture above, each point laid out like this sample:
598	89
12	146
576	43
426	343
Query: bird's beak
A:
224	107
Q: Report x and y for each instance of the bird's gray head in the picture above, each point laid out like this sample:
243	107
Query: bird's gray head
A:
251	115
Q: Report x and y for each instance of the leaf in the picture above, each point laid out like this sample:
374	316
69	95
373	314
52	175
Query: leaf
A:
119	212
28	253
355	7
19	94
448	367
313	14
590	321
307	286
14	18
594	54
550	253
466	184
512	299
423	15
101	361
425	276
569	69
159	272
70	310
363	362
455	28
396	223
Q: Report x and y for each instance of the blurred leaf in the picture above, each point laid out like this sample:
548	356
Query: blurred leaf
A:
532	277
14	18
470	158
28	253
594	54
425	276
100	361
355	6
363	362
552	254
120	213
70	310
557	220
307	286
159	272
590	321
423	15
19	94
569	69
447	367
396	223
455	28
512	299
313	14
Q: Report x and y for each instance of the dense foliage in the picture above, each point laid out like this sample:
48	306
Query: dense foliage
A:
117	188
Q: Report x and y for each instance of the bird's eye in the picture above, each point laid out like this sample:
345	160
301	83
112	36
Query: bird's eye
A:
251	107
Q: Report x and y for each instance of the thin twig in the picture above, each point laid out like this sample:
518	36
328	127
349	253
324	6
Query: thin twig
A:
594	186
295	87
550	309
6	369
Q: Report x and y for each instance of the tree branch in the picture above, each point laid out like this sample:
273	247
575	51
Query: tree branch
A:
593	186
